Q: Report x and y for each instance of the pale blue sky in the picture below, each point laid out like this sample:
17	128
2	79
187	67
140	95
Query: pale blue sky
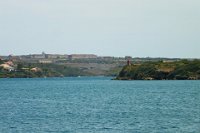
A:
140	28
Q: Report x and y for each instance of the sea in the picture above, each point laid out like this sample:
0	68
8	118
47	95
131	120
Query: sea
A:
98	105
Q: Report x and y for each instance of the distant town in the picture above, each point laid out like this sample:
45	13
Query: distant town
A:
59	58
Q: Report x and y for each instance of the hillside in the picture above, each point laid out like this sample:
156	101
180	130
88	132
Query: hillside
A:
180	70
9	69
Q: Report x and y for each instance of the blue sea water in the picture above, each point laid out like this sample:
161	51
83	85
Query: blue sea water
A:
98	105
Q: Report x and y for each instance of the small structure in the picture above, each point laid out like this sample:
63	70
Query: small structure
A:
7	67
128	58
128	62
35	69
38	56
56	56
45	61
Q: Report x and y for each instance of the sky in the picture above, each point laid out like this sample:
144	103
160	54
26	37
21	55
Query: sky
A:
138	28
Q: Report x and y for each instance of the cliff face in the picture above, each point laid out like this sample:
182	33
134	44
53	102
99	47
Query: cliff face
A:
181	70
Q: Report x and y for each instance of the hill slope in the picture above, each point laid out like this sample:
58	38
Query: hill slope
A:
181	70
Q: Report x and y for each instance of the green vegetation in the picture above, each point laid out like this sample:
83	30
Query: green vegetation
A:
33	70
26	70
180	70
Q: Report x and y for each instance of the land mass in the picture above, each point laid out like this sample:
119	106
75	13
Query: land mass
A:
179	70
55	65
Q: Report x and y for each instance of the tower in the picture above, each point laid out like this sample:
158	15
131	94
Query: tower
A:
128	62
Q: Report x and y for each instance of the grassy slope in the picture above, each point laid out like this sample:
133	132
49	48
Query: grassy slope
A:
23	70
160	70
